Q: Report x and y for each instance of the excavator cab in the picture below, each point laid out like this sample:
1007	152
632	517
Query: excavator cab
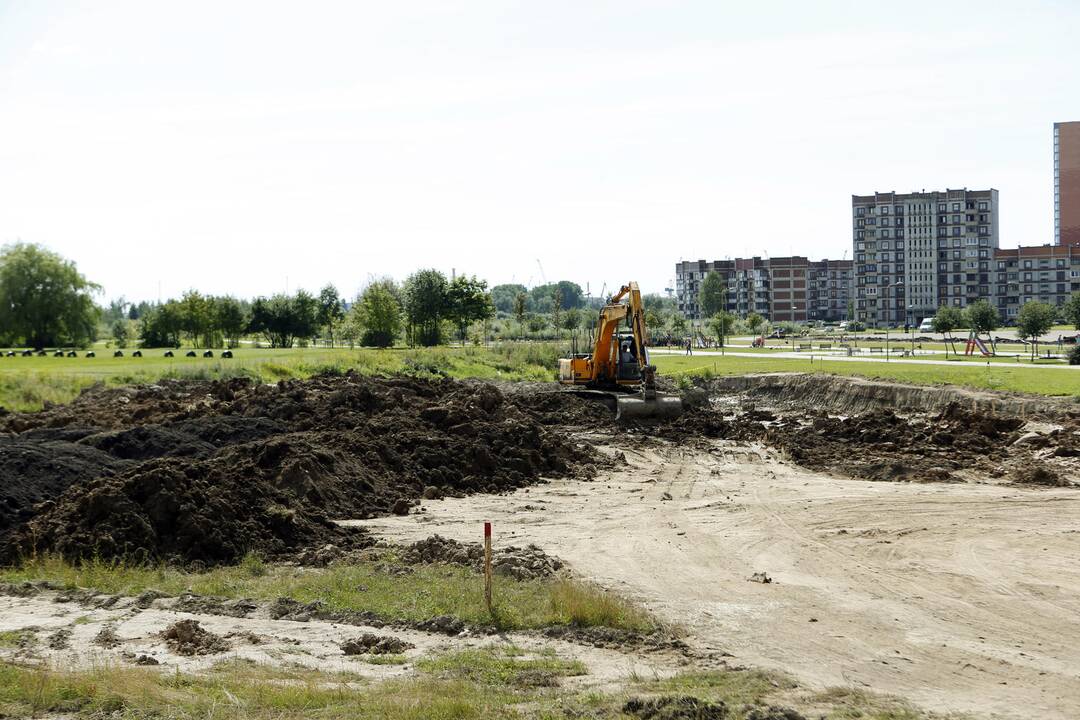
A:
617	371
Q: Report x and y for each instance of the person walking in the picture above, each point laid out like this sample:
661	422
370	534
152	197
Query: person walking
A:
690	346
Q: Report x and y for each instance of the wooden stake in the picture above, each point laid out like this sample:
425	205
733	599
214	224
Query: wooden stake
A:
487	566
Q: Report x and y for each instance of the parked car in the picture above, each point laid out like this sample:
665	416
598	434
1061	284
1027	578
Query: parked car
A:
927	325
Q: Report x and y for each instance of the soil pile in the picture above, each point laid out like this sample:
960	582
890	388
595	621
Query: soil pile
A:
882	445
526	563
206	471
187	637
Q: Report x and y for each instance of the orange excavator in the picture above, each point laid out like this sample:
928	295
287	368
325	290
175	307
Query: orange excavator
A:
618	372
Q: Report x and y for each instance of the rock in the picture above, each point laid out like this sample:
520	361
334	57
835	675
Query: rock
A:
432	493
401	507
445	624
1032	439
760	577
665	497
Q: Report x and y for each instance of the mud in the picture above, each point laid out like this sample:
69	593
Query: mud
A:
203	472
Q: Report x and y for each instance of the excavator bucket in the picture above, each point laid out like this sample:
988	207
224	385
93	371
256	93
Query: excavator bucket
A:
661	407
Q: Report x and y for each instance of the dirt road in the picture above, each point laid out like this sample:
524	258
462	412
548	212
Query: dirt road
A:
960	597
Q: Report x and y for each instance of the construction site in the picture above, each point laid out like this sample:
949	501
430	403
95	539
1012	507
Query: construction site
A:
914	542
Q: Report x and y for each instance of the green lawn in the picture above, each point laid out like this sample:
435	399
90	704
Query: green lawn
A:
997	376
26	383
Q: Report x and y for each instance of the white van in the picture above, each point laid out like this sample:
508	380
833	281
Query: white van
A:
927	325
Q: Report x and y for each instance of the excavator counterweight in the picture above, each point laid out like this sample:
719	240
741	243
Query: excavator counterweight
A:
618	370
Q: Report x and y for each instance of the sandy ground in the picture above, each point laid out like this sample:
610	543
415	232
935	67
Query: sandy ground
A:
959	597
282	643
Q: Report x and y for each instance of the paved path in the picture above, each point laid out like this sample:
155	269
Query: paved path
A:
819	356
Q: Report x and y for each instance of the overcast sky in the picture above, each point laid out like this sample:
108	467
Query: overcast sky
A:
236	147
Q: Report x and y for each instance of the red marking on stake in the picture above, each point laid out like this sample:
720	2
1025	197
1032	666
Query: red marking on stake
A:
487	529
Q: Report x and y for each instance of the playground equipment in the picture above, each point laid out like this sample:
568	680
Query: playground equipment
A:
975	342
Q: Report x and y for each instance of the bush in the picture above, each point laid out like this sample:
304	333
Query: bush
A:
1074	355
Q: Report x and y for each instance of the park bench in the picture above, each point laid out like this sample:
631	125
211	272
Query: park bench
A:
825	346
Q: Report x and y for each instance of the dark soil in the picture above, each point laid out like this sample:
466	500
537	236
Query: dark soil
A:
528	563
203	472
882	445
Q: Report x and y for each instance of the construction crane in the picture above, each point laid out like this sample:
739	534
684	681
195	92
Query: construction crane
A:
617	372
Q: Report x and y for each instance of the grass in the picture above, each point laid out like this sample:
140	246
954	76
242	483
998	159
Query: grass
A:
28	383
499	681
426	592
1038	381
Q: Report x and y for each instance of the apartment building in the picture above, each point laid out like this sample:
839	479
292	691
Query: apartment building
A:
1049	273
828	290
779	289
1067	183
916	251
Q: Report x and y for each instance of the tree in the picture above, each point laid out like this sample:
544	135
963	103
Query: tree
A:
504	297
571	321
753	322
425	303
556	309
282	319
468	301
230	319
713	295
120	333
160	326
542	296
654	321
44	300
520	307
982	317
1071	310
195	317
721	324
947	319
378	311
1034	319
678	325
330	310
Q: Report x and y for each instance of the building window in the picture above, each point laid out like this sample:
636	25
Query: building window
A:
984	206
956	207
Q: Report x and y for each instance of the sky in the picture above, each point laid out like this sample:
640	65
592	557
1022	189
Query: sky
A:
252	148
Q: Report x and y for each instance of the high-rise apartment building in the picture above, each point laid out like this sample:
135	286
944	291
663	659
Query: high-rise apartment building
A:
916	251
1067	183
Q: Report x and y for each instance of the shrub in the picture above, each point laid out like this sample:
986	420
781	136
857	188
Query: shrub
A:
1074	355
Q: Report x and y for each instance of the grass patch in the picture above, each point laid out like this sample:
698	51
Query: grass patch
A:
16	638
502	666
996	376
427	591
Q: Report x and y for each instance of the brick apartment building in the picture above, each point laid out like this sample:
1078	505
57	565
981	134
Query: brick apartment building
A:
1049	273
779	289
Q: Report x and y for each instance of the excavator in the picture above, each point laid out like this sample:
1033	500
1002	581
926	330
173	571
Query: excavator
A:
617	372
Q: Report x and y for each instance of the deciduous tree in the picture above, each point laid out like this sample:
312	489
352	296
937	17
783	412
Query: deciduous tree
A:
947	319
44	300
468	301
425	305
712	297
1034	319
379	313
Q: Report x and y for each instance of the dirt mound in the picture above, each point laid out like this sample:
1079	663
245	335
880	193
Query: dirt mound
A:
526	563
675	707
206	471
187	637
882	445
37	470
1037	473
371	644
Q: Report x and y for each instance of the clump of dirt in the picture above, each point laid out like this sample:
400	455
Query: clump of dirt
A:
527	563
60	640
107	637
675	707
187	637
371	644
204	472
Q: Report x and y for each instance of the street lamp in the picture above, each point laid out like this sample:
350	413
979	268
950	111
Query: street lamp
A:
898	283
909	320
